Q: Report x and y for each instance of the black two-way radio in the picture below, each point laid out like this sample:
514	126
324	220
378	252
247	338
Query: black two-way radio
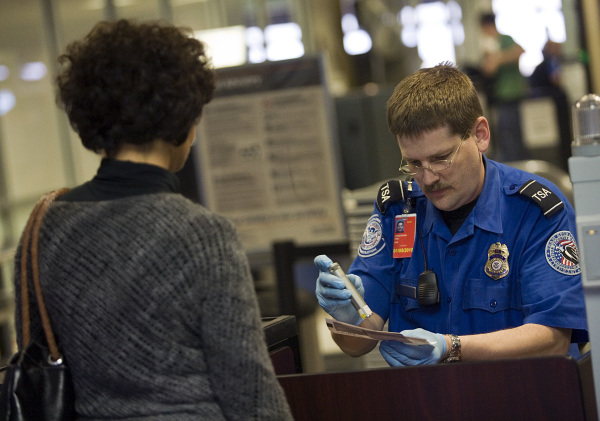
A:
428	292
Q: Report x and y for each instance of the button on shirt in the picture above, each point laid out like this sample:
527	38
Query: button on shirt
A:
538	288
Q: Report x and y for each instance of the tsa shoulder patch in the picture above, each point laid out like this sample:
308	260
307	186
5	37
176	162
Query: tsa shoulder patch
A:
372	240
390	192
539	194
562	254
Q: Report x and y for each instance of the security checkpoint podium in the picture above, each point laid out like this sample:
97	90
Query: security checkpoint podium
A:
532	389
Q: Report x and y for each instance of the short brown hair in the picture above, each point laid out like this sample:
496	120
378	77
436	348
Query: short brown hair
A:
432	98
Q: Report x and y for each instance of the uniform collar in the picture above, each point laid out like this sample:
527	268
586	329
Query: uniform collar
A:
485	215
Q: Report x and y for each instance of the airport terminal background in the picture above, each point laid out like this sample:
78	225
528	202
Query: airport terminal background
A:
39	151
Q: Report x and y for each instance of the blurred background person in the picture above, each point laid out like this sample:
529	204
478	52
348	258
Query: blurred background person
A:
548	73
506	87
547	81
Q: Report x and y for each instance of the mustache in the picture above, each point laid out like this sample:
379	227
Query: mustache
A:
435	187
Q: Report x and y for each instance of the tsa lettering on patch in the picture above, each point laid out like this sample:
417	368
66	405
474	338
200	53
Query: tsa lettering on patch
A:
562	254
404	235
372	240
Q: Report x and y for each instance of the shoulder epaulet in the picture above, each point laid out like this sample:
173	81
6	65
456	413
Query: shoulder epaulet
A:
543	197
390	192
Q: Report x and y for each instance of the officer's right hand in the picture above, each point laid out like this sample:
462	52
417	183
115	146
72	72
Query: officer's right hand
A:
333	295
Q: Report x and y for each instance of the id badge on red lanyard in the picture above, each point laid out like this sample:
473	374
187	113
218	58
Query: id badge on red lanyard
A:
404	235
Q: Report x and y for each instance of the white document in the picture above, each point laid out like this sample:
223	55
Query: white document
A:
351	330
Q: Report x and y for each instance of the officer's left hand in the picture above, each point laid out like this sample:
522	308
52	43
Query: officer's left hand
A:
401	354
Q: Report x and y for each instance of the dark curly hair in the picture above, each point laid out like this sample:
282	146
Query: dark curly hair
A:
129	82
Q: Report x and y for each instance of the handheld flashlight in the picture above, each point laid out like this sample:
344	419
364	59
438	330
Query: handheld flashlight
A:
357	301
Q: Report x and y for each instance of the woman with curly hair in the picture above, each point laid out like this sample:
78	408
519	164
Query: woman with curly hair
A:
149	294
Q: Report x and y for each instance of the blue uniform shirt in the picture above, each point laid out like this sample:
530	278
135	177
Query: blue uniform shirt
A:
478	293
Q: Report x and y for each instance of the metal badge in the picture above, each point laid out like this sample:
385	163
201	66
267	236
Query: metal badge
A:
497	263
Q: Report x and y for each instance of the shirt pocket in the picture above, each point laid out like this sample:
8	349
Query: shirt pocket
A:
491	296
406	294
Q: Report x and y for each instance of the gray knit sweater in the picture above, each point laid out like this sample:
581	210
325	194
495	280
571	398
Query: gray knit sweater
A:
154	309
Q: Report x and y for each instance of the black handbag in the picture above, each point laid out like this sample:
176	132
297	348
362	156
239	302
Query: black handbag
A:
37	383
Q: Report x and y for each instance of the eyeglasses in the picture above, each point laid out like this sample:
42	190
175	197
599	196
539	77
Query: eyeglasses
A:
436	166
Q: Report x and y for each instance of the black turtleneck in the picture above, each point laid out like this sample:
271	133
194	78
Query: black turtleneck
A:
455	218
118	179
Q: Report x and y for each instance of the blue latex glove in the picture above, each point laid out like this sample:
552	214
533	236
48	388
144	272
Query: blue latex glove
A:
401	354
333	295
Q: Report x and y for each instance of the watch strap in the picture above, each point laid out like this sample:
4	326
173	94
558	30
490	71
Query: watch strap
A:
455	350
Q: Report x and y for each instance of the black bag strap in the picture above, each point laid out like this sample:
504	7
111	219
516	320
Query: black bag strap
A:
29	245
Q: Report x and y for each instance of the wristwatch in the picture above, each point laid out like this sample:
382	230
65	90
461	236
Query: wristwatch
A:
454	354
